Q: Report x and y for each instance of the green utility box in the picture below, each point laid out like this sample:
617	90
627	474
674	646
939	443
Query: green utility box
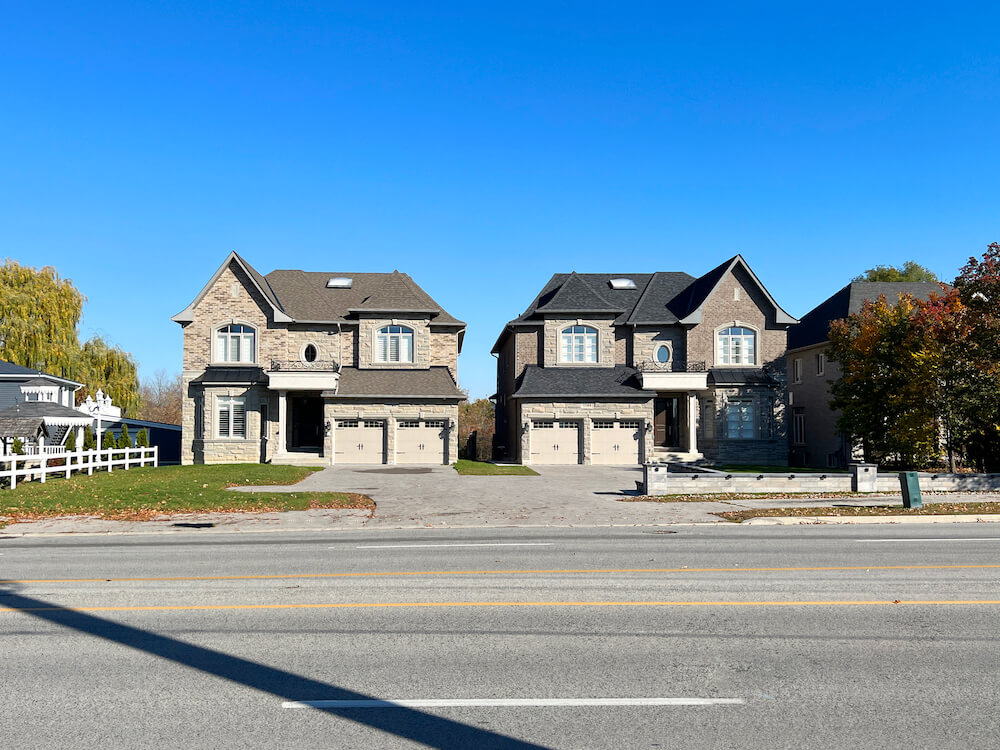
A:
910	483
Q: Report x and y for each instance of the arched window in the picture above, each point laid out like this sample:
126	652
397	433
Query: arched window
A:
394	344
235	343
737	345
578	344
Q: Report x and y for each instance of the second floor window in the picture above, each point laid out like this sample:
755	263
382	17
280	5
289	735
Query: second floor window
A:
578	344
235	343
394	344
737	346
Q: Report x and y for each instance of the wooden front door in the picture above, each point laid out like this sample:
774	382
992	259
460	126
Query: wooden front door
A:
666	421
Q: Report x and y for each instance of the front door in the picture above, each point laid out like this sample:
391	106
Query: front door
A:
666	421
306	420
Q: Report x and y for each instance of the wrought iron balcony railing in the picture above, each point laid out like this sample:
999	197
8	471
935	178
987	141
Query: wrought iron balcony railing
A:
295	365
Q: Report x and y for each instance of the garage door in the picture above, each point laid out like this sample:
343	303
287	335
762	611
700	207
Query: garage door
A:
359	441
421	441
614	441
555	442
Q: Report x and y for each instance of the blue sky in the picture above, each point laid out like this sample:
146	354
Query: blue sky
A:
482	147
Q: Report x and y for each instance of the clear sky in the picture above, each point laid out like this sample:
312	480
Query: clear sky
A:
481	147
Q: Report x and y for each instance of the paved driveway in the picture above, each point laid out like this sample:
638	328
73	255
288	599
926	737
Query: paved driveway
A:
409	496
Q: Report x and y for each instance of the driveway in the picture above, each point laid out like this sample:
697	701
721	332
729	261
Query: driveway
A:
409	496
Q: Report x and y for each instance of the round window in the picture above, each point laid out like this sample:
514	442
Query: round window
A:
309	353
663	354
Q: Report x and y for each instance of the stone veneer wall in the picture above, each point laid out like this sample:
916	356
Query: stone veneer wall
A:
390	411
585	411
605	341
647	339
444	350
769	448
421	343
204	447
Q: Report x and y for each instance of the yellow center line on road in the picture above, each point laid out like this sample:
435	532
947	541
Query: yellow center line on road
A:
412	605
530	571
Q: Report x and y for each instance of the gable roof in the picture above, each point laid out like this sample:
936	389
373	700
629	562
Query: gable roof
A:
187	314
815	325
580	382
688	306
303	296
653	307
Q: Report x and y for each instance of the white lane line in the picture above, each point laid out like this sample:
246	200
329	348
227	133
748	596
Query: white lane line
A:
482	544
512	702
938	539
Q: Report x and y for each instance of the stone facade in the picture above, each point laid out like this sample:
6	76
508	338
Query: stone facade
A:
647	339
769	445
586	411
605	341
233	298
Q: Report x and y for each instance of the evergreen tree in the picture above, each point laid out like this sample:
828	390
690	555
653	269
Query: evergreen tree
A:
124	440
17	447
89	441
142	439
71	441
108	440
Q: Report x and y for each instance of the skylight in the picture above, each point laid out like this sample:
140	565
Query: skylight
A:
622	283
339	282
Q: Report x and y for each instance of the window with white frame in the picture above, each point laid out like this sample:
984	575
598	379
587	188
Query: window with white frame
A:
232	417
235	343
578	344
737	345
740	419
820	363
797	370
394	344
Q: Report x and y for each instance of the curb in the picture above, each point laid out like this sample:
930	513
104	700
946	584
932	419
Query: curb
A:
800	520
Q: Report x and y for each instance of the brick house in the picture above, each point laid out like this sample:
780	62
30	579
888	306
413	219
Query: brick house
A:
309	367
625	368
815	440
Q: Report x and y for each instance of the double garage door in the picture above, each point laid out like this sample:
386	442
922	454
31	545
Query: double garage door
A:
418	441
612	441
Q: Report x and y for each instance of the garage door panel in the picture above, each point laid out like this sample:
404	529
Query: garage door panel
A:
615	442
555	442
359	441
421	442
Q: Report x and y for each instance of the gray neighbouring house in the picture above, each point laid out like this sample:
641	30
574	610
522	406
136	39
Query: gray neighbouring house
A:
28	395
622	368
815	440
318	367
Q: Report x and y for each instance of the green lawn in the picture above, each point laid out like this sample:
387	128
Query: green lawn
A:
754	469
482	468
145	493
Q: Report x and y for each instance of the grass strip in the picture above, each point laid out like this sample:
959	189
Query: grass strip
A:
933	509
146	493
484	468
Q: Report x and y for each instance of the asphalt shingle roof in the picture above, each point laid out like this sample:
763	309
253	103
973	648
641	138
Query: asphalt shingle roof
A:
576	382
42	409
815	325
577	295
434	382
21	426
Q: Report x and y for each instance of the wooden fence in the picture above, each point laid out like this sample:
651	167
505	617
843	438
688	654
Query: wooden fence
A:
40	465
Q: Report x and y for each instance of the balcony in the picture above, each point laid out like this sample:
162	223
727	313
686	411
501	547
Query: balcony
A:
296	375
673	376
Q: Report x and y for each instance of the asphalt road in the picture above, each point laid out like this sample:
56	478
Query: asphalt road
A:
760	637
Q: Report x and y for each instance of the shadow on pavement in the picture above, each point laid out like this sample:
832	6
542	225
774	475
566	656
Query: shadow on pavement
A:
418	726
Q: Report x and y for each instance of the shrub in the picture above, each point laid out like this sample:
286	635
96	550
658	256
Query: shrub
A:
142	439
108	440
124	440
71	441
89	441
17	447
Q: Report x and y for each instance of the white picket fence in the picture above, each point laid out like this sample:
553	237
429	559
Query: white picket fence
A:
28	468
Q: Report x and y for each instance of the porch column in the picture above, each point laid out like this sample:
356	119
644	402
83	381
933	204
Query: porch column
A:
692	422
282	422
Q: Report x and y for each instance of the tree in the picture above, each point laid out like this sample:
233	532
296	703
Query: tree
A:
17	447
108	440
71	440
882	389
124	440
39	320
909	271
162	398
142	438
89	441
476	418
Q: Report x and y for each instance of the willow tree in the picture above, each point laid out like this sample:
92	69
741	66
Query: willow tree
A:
39	328
39	315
